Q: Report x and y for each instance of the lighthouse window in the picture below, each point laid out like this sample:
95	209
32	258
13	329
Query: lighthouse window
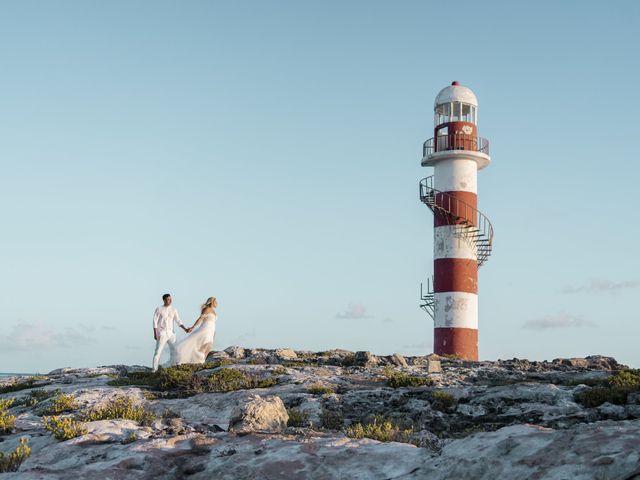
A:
466	112
457	111
443	114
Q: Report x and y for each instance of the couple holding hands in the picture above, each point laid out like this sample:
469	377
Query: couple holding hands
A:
195	347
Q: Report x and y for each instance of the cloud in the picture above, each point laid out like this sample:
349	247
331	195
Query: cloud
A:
354	311
560	320
28	336
600	286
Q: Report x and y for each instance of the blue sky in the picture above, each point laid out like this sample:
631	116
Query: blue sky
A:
268	153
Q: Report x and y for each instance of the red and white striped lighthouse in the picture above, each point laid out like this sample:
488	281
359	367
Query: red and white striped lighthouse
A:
462	235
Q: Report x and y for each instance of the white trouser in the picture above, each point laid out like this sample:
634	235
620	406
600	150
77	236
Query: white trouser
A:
164	337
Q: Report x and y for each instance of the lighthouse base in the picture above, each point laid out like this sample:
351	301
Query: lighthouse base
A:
461	342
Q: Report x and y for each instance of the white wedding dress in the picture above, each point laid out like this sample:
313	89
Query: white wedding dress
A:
196	346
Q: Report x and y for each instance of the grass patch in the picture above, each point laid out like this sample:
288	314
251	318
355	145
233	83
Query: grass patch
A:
319	389
10	462
119	408
381	429
297	418
36	396
6	421
64	428
442	401
614	390
397	379
60	404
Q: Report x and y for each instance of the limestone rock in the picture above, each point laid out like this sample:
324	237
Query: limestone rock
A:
235	352
285	354
433	366
398	360
260	415
364	359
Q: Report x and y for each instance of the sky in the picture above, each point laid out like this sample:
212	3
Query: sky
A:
268	153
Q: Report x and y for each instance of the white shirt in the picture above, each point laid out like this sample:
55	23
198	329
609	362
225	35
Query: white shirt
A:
164	317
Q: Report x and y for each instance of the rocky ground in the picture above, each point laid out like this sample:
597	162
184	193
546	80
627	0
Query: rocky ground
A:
280	414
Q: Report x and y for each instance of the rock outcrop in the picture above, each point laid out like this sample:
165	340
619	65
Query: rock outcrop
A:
284	414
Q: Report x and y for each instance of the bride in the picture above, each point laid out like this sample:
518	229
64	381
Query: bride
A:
195	347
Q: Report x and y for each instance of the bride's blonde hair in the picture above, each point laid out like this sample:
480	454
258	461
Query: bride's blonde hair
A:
209	303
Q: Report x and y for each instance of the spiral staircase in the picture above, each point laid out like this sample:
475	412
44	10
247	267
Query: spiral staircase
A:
471	226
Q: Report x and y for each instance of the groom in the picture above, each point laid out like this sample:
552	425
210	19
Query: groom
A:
163	319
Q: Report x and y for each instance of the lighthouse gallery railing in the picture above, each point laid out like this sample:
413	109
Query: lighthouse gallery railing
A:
457	141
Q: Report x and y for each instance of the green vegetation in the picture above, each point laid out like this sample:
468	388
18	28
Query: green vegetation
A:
279	371
10	462
397	379
319	389
132	437
63	428
6	421
614	390
348	360
331	420
184	380
120	407
60	404
36	396
381	429
14	387
442	401
297	418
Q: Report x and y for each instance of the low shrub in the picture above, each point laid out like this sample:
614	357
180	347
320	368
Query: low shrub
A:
179	377
279	371
6	421
319	389
230	379
36	396
381	429
331	420
132	437
119	408
17	386
397	379
10	462
60	404
628	380
442	401
297	418
348	360
64	428
615	390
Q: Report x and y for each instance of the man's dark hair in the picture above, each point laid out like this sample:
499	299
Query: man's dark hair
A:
165	296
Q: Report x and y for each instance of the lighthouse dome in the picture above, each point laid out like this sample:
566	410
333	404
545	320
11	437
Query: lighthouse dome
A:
456	93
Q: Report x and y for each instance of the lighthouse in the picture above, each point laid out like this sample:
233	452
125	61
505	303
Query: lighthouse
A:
462	235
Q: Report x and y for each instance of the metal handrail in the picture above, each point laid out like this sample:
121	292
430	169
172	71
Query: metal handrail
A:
456	141
456	211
